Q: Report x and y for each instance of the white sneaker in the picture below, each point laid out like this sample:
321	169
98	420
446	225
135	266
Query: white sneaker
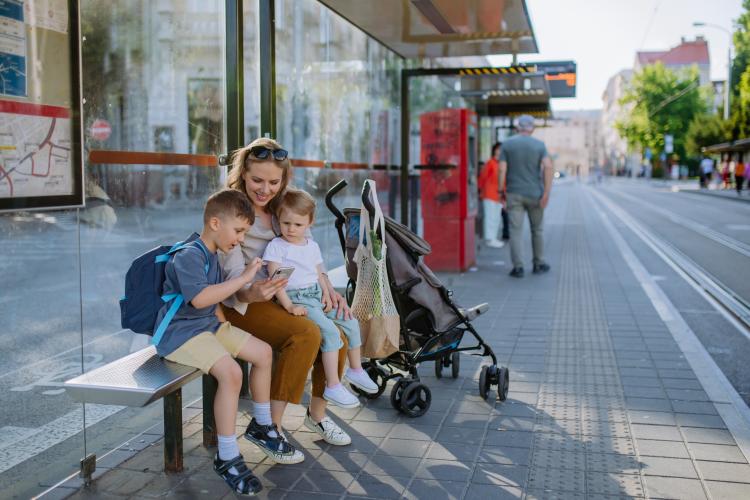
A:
495	243
328	430
361	380
340	396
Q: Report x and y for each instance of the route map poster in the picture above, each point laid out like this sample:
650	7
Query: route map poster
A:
35	150
40	124
12	48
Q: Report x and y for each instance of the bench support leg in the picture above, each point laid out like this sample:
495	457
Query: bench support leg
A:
209	424
173	432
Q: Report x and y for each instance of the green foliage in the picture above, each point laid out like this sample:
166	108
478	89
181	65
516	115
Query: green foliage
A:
661	101
740	82
706	130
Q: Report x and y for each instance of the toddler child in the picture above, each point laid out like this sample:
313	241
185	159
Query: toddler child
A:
304	296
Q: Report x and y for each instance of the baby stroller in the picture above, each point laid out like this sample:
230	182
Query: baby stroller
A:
432	325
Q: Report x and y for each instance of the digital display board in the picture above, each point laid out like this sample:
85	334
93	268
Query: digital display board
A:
561	77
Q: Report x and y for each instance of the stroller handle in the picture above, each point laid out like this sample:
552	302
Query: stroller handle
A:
329	199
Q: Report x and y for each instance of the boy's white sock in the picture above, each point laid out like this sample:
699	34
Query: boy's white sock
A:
262	413
228	447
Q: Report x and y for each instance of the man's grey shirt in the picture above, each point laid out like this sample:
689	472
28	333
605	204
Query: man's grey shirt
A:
524	155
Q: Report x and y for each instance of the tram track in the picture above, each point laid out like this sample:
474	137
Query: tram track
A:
734	307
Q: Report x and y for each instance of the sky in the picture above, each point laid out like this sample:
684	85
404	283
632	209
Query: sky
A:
602	36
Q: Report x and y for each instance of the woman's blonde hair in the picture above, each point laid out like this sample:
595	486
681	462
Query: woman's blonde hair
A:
243	158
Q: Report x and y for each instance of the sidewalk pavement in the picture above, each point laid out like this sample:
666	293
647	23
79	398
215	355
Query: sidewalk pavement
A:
603	403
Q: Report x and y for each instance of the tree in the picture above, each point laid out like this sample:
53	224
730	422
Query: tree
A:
706	130
740	82
662	102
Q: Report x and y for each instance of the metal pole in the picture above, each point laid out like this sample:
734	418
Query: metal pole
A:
173	432
405	147
267	55
234	70
728	86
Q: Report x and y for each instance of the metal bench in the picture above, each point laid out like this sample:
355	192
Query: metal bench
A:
142	378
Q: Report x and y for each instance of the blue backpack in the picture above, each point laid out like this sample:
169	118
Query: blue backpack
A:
144	288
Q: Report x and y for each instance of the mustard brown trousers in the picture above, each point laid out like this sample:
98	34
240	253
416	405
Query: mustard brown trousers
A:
296	341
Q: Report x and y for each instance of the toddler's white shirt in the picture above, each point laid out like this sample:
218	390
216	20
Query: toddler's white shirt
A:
303	258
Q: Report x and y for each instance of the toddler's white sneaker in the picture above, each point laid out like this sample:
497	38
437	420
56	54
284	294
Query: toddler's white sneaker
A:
340	396
361	380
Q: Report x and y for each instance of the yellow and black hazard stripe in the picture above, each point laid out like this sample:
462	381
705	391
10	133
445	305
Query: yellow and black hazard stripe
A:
508	70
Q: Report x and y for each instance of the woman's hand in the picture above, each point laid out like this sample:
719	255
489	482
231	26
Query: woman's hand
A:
262	291
342	308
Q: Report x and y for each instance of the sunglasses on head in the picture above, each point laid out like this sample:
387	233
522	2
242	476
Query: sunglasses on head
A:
262	153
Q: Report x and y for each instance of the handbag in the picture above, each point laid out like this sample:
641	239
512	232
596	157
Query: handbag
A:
373	303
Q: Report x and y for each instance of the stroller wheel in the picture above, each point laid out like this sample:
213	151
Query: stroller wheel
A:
503	383
455	364
484	382
397	392
416	399
439	367
377	376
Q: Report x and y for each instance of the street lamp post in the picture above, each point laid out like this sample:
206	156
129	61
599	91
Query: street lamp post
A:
727	85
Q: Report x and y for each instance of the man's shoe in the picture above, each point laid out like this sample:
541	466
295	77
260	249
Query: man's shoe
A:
495	244
328	430
517	272
272	443
541	268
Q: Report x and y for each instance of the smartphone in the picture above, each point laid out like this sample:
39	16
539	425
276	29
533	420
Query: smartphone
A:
282	273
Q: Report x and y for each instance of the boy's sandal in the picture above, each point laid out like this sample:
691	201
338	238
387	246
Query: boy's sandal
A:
250	484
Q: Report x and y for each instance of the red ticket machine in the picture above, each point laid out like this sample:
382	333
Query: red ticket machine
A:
449	187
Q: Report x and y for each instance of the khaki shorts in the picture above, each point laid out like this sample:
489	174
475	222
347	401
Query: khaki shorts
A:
205	349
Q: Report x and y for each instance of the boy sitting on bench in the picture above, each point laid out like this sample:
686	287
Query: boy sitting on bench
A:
198	337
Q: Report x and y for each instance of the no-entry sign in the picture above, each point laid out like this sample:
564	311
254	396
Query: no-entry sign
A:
100	130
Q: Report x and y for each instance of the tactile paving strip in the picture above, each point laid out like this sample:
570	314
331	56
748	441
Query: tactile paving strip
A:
582	443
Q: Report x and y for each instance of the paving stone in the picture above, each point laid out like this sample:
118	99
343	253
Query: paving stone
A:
557	442
678	383
443	470
612	462
710	436
466	420
459	435
324	482
518	439
624	485
509	475
657	448
609	444
560	459
728	491
651	417
696	420
452	451
374	429
339	462
700	407
392	465
571	480
663	432
717	452
434	490
496	492
649	404
605	428
417	432
670	467
644	392
673	487
722	471
498	423
504	455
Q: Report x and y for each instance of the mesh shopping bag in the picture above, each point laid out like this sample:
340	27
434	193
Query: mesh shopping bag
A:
373	304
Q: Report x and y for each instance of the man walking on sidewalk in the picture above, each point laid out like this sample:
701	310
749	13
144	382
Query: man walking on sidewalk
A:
527	169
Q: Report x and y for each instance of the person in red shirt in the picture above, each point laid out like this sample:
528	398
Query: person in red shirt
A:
489	193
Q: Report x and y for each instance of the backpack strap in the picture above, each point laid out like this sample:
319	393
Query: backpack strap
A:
177	298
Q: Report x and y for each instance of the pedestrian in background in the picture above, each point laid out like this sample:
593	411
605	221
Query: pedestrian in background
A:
739	174
526	176
489	193
706	169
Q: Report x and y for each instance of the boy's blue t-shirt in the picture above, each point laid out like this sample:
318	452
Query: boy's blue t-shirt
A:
186	274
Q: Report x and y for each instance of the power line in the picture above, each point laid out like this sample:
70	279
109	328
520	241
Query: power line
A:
650	23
